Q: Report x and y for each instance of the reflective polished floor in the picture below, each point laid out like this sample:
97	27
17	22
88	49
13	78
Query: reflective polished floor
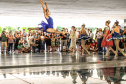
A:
61	68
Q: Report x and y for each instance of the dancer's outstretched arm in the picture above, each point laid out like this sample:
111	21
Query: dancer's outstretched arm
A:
44	9
33	28
42	5
46	6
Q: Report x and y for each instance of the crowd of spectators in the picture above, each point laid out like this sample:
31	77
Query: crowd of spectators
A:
39	41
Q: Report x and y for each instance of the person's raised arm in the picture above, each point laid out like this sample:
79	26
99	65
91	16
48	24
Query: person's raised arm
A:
46	6
44	9
42	5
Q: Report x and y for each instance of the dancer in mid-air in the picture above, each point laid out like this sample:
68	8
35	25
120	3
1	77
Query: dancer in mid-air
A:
116	37
46	27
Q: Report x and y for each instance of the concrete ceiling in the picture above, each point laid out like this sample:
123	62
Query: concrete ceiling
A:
65	8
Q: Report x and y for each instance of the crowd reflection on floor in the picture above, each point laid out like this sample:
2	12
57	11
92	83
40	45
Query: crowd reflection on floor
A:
116	75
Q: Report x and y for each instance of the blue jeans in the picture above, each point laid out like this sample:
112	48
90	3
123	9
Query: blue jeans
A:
99	44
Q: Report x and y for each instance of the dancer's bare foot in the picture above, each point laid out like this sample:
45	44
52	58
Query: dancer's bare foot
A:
125	55
115	58
106	55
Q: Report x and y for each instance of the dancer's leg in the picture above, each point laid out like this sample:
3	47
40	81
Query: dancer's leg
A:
124	46
74	49
77	47
117	46
113	51
54	31
82	44
33	28
84	48
107	53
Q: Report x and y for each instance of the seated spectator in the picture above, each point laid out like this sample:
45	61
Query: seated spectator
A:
35	48
20	45
94	46
26	47
88	44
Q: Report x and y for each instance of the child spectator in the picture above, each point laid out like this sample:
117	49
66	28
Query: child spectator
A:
20	45
26	47
94	46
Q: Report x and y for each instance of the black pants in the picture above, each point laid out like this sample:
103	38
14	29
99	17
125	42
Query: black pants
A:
10	46
99	41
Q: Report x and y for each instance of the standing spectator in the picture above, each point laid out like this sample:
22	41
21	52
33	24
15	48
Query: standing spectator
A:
10	42
17	38
4	38
63	40
24	35
53	43
0	41
68	41
124	41
48	42
37	40
99	39
42	43
73	39
91	34
57	40
88	32
96	35
66	30
31	40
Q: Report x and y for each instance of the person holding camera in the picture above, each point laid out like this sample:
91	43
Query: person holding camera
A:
4	38
63	40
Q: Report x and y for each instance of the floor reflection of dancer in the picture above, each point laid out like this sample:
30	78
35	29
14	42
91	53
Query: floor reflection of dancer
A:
116	37
83	36
74	76
106	43
73	39
47	27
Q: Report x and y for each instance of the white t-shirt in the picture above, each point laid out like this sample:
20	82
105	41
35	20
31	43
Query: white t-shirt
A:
26	45
42	37
91	35
25	38
30	38
99	33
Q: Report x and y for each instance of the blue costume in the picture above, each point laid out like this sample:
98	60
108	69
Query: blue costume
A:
45	26
83	36
117	36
